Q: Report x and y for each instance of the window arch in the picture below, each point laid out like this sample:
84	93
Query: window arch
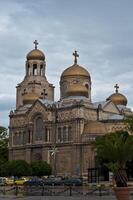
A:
69	133
59	135
29	136
34	69
87	86
28	70
41	70
65	134
47	135
39	128
15	138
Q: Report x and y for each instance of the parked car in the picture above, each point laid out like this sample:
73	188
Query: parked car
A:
59	181
2	181
21	181
9	181
52	181
72	181
34	181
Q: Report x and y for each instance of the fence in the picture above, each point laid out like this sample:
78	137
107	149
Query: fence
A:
44	190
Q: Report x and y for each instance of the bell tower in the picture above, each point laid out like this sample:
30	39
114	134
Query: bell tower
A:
35	84
35	64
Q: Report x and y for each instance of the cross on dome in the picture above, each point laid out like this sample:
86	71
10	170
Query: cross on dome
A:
116	87
36	43
44	94
76	55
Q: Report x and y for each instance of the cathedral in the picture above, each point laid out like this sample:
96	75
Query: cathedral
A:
61	132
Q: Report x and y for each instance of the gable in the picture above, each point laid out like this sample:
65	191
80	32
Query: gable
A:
111	107
39	108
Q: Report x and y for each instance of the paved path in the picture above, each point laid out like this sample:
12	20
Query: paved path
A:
90	197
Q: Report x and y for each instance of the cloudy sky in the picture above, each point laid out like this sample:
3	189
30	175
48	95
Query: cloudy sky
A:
100	30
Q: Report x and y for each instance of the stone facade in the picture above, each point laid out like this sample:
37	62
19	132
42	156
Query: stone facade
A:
60	132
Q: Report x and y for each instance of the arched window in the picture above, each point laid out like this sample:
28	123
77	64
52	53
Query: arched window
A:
87	86
59	135
39	129
41	70
21	139
65	134
69	133
28	70
15	139
28	138
24	136
34	69
47	135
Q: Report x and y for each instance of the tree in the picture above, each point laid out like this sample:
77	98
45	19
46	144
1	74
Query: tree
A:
115	149
4	138
40	168
129	123
16	168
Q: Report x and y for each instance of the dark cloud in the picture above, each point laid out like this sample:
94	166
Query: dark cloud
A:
101	31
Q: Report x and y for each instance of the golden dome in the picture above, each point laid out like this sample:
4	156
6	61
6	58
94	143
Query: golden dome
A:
75	70
77	90
118	99
35	54
94	127
30	98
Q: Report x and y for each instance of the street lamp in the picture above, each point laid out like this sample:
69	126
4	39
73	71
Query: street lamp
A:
53	152
54	149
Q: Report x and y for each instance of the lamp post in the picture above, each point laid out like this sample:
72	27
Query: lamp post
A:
54	149
53	152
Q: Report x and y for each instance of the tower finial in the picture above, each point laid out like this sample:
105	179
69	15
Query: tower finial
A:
76	55
116	88
36	43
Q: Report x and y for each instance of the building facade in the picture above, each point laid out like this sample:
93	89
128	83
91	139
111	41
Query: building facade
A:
61	132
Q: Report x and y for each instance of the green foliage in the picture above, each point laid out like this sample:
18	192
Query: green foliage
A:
3	133
16	168
129	123
40	168
115	149
4	138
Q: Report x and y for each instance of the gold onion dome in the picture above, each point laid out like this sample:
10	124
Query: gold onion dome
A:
35	54
30	98
117	98
77	90
75	69
94	127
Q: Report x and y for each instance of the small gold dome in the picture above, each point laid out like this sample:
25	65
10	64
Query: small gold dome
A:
77	90
35	54
94	127
30	98
75	70
118	99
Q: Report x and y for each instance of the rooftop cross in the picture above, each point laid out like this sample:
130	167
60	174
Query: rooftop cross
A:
44	93
116	87
76	55
36	43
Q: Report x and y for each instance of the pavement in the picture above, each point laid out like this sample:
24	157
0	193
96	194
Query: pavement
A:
90	197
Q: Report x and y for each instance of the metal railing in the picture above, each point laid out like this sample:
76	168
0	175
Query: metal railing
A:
54	190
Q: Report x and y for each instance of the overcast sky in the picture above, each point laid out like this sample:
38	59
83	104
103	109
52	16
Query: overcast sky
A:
100	30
